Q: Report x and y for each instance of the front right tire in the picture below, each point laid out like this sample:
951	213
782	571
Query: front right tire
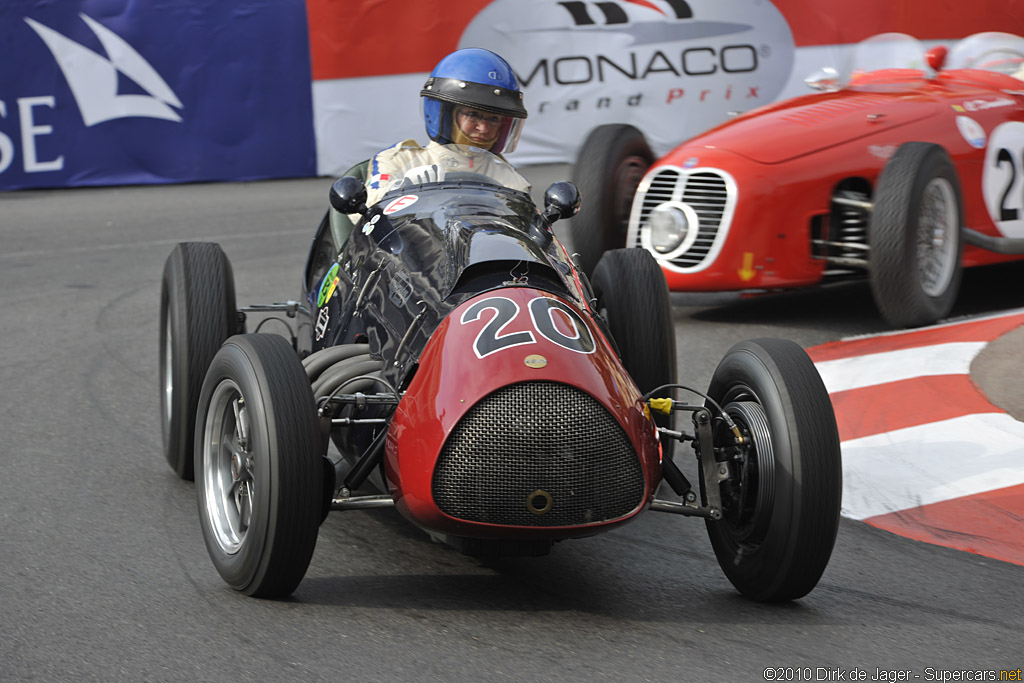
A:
259	470
914	236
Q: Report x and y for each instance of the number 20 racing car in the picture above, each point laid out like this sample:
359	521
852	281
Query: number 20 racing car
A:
468	374
904	169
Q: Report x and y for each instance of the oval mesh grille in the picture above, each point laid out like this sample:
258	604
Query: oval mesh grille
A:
538	436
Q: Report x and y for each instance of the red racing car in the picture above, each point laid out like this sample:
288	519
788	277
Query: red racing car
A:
906	168
468	375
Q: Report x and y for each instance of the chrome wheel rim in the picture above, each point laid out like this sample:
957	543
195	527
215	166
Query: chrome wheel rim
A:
229	468
937	237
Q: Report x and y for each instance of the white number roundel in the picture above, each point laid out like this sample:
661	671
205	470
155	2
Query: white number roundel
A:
1002	179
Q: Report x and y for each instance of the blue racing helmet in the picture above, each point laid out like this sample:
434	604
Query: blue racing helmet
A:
476	79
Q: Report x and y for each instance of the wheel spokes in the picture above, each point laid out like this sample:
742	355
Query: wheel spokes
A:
242	496
242	484
936	237
229	468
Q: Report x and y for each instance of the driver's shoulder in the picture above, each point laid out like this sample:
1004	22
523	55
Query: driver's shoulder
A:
399	150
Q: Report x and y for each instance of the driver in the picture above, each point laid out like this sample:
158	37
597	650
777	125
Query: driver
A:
473	110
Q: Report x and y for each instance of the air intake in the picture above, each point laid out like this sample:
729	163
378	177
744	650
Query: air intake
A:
538	454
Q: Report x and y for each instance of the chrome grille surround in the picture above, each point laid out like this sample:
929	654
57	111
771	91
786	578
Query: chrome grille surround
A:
710	192
535	437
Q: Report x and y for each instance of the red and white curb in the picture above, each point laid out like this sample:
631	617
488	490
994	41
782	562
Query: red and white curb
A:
925	454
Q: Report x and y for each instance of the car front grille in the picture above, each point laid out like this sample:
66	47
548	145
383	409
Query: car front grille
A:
706	191
533	445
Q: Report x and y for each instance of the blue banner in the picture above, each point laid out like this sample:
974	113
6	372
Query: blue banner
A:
109	92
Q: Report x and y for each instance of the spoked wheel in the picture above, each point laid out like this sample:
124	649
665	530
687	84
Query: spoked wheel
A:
259	473
781	501
610	166
197	313
914	236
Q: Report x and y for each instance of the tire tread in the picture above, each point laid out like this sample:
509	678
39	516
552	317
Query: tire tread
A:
198	287
892	256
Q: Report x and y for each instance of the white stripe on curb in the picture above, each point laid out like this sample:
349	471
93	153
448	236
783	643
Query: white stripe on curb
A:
891	366
930	463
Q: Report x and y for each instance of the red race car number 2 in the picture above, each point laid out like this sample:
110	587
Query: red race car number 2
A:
547	315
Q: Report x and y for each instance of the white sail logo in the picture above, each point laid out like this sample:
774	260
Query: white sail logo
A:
93	77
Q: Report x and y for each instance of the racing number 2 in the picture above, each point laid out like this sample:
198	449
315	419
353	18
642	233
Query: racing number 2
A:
1001	178
492	337
1007	213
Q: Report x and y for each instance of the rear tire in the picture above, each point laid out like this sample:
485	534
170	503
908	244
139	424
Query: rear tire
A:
780	506
610	166
259	470
197	313
632	298
915	239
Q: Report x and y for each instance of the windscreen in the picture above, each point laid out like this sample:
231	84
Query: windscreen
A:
991	51
886	51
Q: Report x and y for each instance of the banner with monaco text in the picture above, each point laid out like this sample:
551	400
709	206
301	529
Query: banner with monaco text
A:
106	92
673	68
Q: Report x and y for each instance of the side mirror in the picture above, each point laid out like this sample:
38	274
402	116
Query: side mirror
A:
348	195
936	57
562	200
826	80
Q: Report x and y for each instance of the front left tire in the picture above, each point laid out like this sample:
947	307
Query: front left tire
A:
781	501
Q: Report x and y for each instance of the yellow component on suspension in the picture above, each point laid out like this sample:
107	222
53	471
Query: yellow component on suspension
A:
661	405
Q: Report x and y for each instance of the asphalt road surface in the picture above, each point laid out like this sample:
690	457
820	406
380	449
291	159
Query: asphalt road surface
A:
104	575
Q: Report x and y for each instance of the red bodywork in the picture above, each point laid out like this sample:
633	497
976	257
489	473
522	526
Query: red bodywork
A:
452	378
786	161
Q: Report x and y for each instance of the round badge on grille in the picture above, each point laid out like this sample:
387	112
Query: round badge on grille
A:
535	361
539	502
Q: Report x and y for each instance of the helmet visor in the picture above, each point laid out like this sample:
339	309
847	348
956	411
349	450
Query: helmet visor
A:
485	129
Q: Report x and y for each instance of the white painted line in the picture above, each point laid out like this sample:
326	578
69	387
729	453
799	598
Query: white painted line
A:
930	463
891	366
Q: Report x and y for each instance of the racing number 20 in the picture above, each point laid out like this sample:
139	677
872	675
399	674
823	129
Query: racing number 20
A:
492	338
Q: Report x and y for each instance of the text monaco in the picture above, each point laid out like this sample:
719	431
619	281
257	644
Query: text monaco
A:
696	61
